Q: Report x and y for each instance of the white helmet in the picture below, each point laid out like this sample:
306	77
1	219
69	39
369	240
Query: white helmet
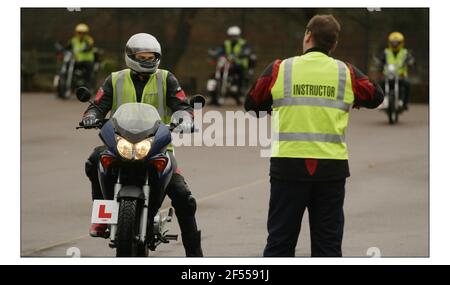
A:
234	31
142	42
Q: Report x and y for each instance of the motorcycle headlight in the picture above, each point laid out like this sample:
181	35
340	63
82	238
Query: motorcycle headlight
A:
133	151
391	67
125	148
142	148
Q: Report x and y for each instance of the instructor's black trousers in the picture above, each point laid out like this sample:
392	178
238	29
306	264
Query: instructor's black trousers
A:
288	200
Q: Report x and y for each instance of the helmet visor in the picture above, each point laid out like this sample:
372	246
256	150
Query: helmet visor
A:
134	50
146	62
395	43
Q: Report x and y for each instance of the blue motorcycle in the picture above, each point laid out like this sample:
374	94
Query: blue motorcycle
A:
134	172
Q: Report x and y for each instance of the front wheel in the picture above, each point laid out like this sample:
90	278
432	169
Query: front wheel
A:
128	244
62	91
221	92
392	110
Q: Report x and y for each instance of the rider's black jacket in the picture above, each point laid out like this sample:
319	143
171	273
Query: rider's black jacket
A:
175	97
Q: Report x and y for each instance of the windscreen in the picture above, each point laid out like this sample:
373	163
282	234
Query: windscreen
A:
136	117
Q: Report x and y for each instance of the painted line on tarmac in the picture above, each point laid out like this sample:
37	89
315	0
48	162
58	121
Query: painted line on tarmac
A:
230	190
56	244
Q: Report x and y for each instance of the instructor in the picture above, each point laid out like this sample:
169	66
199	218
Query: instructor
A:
310	97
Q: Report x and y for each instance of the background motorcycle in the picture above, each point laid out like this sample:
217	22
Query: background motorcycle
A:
134	172
70	77
223	84
393	104
225	81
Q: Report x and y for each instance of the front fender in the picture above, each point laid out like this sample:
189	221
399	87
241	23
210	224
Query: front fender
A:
131	192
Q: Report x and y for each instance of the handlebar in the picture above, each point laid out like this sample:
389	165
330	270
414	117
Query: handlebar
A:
173	126
102	122
99	125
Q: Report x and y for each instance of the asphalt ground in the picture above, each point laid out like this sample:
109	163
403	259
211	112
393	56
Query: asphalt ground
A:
386	204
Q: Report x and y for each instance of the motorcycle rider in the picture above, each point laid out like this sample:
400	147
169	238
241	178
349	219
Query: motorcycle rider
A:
238	52
142	57
82	46
398	55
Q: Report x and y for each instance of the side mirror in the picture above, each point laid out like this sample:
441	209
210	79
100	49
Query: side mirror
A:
83	94
198	100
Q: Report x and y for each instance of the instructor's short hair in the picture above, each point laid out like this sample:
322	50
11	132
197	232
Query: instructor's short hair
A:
325	31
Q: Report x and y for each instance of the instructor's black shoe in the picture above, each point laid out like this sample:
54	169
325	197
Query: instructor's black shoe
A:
192	244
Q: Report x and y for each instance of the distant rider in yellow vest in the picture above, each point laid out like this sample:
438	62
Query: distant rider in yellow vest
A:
401	57
144	82
310	97
236	48
82	46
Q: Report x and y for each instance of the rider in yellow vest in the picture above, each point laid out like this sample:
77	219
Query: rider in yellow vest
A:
144	82
239	54
82	46
402	58
236	48
310	97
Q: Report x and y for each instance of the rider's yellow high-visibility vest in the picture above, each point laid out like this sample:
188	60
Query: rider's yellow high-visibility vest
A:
312	97
398	60
78	46
154	92
235	51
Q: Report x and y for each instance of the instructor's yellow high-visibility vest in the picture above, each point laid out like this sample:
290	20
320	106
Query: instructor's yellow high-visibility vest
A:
398	60
312	97
154	92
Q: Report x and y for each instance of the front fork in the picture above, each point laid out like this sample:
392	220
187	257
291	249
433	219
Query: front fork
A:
158	223
117	188
386	92
70	75
397	94
144	212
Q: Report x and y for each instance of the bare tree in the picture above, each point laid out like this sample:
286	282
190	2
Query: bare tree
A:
180	42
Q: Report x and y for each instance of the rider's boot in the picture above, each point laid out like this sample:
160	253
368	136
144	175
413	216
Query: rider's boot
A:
238	100
237	97
192	244
99	230
214	100
190	236
95	230
185	208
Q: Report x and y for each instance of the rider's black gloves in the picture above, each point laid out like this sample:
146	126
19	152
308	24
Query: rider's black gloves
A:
90	121
187	124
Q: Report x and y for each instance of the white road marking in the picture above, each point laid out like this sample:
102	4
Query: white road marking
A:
229	190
